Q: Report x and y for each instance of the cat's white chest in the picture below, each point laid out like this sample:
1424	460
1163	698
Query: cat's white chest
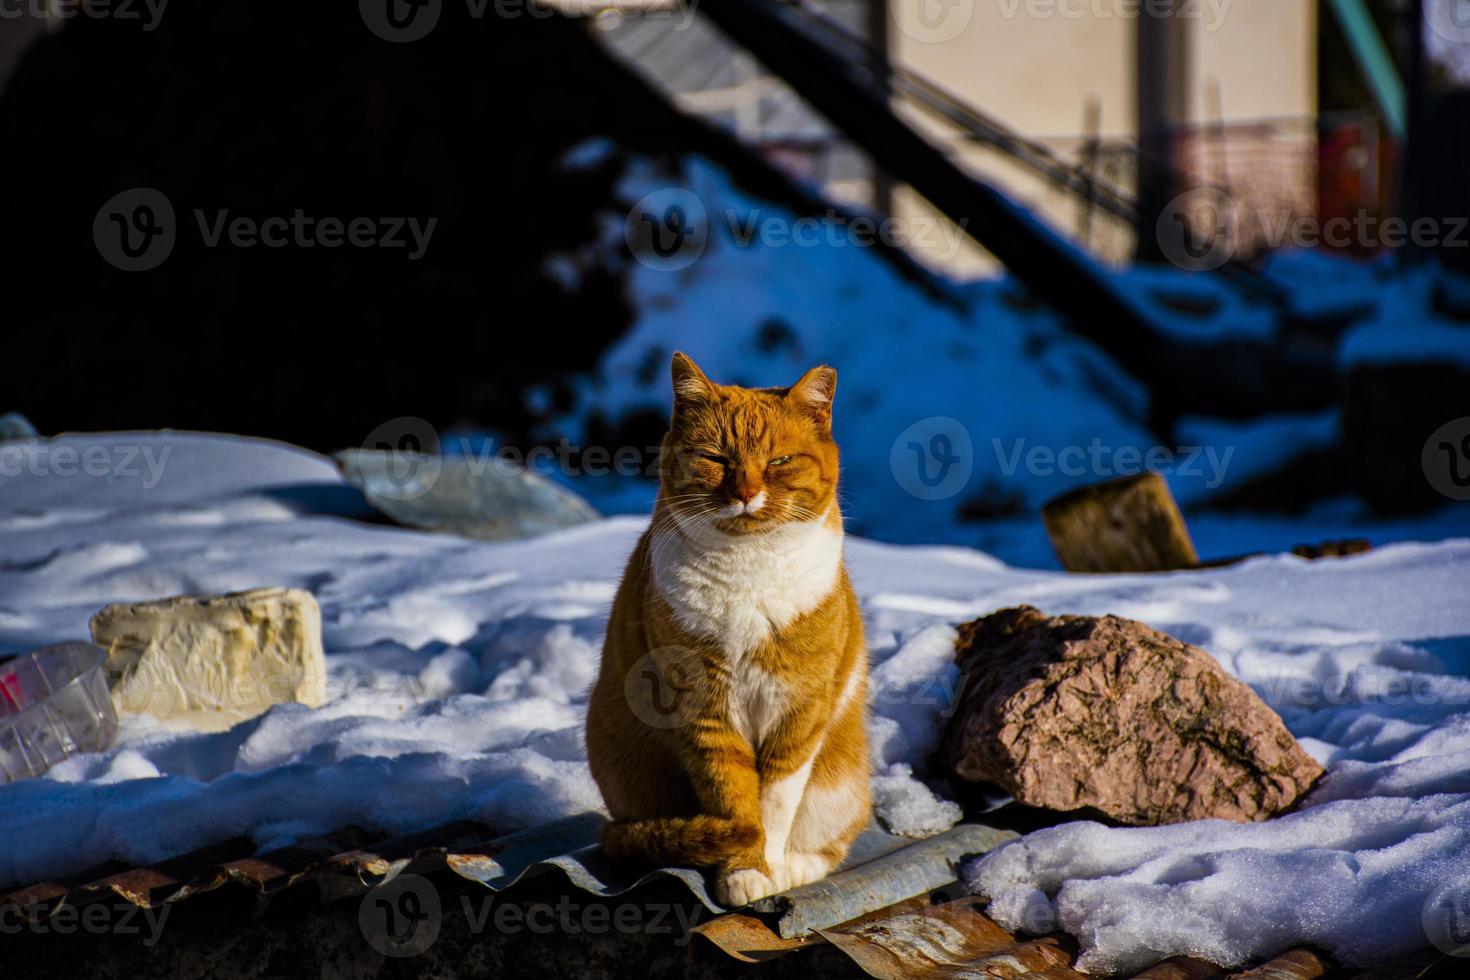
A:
739	590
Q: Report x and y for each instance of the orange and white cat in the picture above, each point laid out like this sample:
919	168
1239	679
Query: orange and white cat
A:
726	729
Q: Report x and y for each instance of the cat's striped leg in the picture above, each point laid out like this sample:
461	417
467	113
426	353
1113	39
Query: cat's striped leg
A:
785	765
721	766
836	805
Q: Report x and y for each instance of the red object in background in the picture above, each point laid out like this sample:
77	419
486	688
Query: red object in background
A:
12	694
1356	164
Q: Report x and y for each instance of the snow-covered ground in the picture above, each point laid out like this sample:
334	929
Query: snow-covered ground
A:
458	672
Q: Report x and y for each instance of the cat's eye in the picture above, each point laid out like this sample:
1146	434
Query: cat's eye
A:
713	458
780	461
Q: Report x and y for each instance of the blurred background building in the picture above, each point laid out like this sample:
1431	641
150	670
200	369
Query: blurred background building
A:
1267	100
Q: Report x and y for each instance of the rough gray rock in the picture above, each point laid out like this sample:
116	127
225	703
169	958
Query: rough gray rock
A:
1108	714
489	499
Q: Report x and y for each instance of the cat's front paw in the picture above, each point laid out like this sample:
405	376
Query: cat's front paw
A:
800	869
742	886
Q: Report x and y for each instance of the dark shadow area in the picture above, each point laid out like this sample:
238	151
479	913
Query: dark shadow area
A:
241	109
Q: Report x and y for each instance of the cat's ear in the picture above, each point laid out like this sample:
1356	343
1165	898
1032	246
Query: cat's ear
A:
814	393
690	384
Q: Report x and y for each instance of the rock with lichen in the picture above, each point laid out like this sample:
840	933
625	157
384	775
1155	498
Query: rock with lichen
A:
1110	715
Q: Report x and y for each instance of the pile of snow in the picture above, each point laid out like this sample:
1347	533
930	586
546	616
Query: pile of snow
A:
457	670
770	295
458	673
1406	329
1021	408
1351	878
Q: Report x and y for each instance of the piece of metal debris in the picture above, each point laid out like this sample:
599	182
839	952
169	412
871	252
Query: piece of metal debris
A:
913	869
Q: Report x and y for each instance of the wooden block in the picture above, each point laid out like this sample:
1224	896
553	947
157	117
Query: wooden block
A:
1127	525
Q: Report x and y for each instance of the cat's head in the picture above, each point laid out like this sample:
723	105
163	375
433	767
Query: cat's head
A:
748	460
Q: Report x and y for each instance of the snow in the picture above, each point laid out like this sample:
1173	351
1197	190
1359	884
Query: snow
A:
1366	661
1022	409
1349	878
458	672
1406	328
762	309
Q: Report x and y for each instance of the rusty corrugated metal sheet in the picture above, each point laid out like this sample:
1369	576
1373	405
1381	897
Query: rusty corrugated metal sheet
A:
949	940
894	910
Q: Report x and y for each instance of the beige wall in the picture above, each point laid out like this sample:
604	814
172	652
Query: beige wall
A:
1035	64
1032	73
1264	56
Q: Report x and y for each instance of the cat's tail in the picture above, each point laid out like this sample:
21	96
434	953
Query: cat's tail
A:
692	842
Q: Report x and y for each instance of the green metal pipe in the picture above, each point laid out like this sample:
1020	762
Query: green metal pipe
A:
1374	62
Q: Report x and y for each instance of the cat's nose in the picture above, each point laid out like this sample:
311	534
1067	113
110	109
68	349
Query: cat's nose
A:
750	503
746	494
